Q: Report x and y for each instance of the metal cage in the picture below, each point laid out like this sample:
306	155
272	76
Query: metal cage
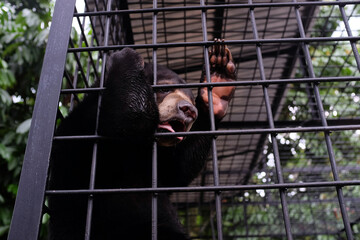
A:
285	160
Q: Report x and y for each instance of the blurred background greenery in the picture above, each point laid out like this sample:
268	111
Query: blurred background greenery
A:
24	28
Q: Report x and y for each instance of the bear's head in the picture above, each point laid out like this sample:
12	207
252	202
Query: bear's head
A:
177	109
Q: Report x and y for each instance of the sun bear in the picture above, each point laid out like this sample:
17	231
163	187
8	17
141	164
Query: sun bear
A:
129	115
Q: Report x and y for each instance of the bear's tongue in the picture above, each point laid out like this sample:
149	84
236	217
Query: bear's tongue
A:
168	127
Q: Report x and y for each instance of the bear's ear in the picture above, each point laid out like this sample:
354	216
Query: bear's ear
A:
122	61
108	66
149	73
125	57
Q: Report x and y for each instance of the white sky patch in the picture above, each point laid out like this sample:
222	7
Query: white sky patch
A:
261	192
302	144
291	194
271	160
354	23
16	99
294	109
80	7
356	99
294	136
261	175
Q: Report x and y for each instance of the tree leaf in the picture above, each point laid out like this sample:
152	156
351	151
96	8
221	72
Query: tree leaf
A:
12	188
5	97
3	64
8	138
4	229
12	164
24	126
10	37
31	18
4	153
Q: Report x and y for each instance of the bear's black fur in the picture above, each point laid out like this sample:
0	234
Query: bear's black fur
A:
129	117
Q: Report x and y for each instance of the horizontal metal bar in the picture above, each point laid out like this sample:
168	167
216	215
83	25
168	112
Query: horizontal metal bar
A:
304	170
238	83
207	188
82	90
81	137
268	235
289	123
258	82
208	43
273	202
264	131
229	132
220	6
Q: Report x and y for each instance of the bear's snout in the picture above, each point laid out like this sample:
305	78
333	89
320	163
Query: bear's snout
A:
188	109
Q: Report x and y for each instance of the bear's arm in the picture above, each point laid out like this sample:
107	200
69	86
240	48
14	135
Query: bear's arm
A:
128	113
128	110
188	158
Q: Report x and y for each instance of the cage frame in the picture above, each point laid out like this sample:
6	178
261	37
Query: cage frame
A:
29	206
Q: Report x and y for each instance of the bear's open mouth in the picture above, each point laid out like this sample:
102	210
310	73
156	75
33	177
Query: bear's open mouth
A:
172	126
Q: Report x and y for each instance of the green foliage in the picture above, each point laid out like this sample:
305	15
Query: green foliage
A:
23	34
24	31
325	23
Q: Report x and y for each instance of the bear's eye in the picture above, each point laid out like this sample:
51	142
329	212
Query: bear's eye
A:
164	91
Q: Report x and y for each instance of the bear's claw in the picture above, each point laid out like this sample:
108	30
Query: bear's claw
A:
222	69
221	61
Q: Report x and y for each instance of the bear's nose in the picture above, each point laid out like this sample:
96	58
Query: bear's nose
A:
188	109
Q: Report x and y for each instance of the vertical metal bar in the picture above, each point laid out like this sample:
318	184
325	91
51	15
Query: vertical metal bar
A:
83	37
212	226
27	213
212	125
95	148
271	125
94	66
75	81
98	39
185	40
324	123
79	66
154	206
349	32
93	24
246	219
154	202
165	33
